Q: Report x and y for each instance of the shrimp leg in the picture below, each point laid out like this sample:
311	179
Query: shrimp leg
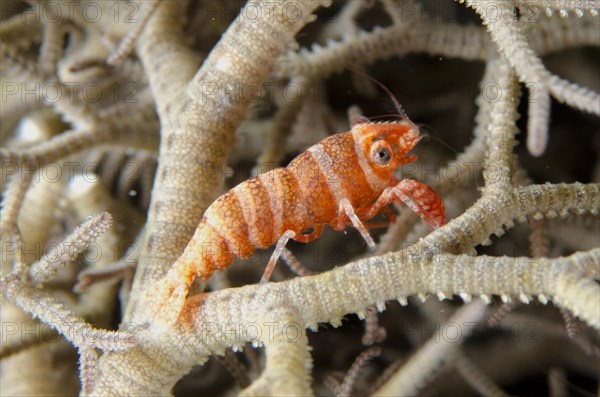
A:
279	248
346	212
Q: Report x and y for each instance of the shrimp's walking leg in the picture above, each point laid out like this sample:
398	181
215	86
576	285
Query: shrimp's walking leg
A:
346	211
294	264
276	254
417	196
280	247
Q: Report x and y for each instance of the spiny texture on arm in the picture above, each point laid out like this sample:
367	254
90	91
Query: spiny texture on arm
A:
391	276
564	7
508	33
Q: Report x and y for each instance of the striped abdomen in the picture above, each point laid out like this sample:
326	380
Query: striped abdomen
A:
257	212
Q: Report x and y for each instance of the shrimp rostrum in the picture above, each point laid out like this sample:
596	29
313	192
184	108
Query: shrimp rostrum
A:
347	178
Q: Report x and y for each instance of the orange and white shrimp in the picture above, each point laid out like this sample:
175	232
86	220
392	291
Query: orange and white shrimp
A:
347	178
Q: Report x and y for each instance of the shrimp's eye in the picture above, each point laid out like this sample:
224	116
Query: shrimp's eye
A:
381	153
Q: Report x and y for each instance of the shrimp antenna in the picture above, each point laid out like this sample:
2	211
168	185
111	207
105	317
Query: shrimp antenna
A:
385	115
399	107
427	135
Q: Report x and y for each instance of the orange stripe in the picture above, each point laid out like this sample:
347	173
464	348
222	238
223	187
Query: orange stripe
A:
256	209
226	216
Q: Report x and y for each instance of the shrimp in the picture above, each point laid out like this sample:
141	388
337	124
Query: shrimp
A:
347	178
